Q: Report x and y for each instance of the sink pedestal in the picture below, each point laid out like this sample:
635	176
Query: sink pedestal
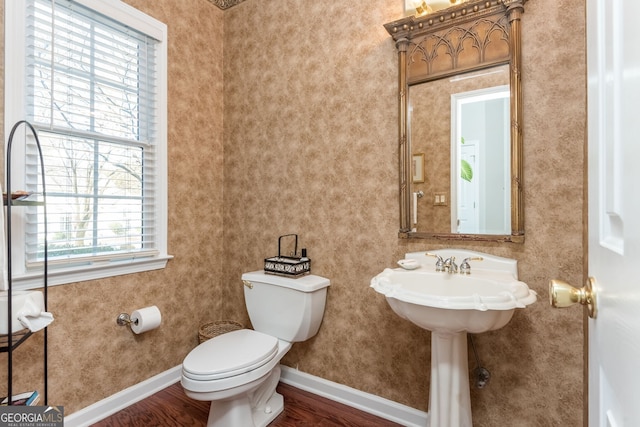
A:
450	306
449	394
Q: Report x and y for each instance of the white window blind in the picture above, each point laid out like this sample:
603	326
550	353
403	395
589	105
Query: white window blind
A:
91	87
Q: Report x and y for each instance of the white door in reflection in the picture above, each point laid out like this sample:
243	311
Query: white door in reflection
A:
480	162
468	188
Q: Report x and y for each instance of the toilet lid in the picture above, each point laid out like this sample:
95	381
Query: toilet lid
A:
230	354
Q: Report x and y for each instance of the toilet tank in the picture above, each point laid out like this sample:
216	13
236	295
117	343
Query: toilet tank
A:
283	307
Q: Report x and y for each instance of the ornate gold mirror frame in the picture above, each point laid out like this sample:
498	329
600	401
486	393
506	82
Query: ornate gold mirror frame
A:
470	36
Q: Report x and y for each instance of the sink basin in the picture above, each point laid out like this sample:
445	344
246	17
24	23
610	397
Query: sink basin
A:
451	305
482	301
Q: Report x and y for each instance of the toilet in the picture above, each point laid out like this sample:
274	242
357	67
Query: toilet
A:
238	371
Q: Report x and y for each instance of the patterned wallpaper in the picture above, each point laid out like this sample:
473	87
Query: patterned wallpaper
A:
310	147
282	119
90	356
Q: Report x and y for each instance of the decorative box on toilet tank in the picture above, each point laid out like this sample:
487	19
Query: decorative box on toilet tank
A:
290	265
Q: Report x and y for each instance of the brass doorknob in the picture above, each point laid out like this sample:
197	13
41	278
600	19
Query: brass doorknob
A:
562	294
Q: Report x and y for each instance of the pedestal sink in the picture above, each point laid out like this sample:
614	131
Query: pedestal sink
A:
451	304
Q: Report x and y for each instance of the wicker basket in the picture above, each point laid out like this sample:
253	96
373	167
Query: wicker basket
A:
213	329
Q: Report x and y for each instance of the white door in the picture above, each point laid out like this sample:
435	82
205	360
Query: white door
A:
613	73
468	191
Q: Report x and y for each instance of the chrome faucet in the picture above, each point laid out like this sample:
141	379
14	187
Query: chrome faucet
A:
465	267
439	261
450	265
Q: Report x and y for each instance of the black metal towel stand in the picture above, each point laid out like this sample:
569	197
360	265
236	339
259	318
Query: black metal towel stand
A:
10	345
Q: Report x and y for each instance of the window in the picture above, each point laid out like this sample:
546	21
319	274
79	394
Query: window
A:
90	76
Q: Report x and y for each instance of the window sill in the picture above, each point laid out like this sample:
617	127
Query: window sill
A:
61	276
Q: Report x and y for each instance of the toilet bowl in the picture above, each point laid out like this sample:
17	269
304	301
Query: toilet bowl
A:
239	371
233	371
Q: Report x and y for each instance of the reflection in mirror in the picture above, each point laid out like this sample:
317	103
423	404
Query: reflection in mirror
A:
468	183
480	196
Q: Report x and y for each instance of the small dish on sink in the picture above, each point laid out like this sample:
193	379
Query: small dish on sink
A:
409	264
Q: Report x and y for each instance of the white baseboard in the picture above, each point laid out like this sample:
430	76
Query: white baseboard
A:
352	397
117	402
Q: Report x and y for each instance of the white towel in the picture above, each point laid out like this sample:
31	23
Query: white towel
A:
32	317
28	311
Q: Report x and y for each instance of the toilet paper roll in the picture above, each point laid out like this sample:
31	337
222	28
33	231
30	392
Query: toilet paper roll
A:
145	319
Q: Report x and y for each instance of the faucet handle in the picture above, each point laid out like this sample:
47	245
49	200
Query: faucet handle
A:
439	261
465	267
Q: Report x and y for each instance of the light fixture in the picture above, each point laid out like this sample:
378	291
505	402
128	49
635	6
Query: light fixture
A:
422	8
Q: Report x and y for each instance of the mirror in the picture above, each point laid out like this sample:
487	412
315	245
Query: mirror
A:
460	139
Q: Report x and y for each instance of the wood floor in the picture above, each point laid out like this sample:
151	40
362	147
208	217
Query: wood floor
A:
171	407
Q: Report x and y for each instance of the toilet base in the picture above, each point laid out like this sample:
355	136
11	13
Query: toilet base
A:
256	408
238	412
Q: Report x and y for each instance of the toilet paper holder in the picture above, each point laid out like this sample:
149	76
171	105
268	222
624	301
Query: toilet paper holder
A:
124	319
141	320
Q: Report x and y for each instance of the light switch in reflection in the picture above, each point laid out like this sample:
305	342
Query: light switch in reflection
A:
440	199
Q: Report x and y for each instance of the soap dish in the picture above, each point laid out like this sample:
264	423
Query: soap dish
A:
409	264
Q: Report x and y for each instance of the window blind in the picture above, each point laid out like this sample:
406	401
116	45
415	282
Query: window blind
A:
91	96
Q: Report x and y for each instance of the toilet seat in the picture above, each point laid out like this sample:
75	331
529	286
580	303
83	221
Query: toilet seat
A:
229	355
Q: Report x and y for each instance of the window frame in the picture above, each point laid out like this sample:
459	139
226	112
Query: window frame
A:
15	110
